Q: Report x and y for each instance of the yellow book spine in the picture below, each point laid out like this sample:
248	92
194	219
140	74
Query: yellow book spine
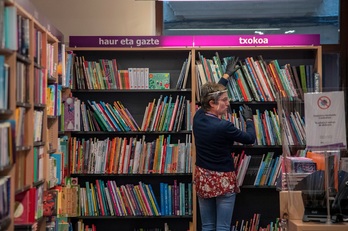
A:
94	200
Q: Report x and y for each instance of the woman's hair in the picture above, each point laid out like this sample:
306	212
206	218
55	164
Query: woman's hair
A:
211	91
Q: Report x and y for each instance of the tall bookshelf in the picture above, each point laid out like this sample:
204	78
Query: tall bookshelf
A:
157	60
28	36
170	60
269	194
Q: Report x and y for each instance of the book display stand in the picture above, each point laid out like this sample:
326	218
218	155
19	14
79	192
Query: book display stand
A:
313	186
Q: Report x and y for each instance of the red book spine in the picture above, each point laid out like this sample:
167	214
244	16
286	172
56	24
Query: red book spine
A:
99	196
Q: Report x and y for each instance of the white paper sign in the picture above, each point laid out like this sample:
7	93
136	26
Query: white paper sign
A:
325	121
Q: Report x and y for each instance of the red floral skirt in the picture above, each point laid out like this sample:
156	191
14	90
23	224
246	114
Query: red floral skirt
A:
212	183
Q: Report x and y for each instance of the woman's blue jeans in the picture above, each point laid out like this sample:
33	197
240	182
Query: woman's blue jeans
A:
216	212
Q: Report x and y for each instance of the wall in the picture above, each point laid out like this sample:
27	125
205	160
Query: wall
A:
99	17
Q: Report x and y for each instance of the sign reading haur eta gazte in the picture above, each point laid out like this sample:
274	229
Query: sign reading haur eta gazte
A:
195	41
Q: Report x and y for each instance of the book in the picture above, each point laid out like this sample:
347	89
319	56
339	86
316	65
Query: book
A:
69	114
2	31
50	202
24	208
59	173
10	25
159	81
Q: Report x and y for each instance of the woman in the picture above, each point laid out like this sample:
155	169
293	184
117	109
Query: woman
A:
215	177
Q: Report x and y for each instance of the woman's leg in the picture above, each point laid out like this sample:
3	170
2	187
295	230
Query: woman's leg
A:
207	208
224	207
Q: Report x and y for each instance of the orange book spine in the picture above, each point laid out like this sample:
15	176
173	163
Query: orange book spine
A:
276	79
110	164
117	154
122	154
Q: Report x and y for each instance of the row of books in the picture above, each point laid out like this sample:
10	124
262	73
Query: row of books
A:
130	155
257	79
5	194
54	223
61	201
81	226
167	114
4	83
108	199
253	224
294	128
267	126
184	73
307	172
163	114
258	170
93	116
105	74
176	199
7	143
23	35
269	169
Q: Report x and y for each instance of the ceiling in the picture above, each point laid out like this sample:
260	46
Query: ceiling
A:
249	13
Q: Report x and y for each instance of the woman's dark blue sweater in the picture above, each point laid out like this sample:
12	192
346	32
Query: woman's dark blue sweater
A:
214	140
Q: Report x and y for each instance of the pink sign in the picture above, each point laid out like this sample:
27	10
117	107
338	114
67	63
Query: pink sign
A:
195	41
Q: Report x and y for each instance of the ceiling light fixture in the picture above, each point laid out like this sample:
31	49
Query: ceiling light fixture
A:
225	29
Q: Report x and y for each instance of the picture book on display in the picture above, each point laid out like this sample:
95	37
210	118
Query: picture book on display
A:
50	203
25	205
159	81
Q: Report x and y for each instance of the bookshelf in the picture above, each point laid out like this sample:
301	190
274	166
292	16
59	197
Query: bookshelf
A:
135	100
27	69
268	193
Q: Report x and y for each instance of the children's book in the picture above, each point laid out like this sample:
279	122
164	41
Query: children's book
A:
159	81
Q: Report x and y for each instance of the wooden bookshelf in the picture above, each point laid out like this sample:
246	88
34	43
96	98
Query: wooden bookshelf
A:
296	55
169	60
20	56
158	60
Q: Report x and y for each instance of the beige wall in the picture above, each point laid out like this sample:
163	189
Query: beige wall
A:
99	17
